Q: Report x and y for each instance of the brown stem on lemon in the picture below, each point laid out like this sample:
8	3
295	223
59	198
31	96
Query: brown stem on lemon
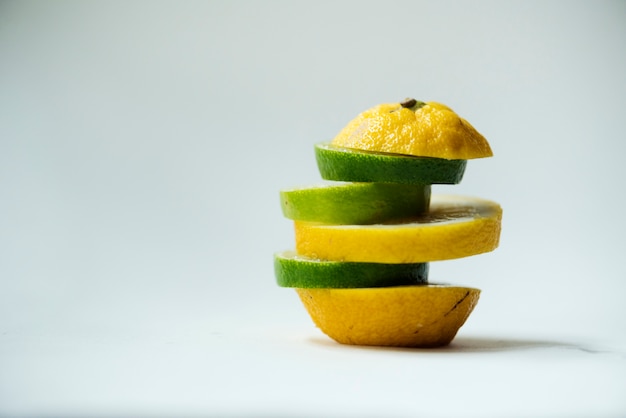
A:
412	104
408	102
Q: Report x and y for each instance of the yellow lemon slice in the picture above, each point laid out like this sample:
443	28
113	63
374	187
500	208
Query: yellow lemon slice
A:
414	128
454	227
404	316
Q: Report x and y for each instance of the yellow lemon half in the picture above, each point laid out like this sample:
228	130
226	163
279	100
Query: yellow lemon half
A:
454	227
404	316
414	128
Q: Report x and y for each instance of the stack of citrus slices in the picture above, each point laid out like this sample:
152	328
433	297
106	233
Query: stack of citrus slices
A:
365	237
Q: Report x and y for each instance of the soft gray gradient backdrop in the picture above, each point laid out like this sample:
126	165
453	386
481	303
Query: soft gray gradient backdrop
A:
143	145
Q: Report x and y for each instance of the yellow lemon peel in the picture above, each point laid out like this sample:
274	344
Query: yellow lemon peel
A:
403	316
426	130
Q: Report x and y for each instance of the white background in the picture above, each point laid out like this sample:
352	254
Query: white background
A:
142	148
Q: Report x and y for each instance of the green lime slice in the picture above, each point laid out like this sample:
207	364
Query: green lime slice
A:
292	270
355	203
347	164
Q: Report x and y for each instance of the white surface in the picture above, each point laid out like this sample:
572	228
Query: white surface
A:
293	371
142	148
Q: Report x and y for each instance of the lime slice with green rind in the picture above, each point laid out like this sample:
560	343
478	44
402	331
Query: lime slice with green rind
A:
355	203
348	164
292	270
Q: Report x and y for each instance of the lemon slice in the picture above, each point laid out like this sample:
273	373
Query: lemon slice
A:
414	128
292	270
355	203
346	164
405	316
454	227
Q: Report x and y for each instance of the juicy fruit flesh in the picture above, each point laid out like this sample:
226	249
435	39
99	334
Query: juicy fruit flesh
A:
406	316
355	203
292	270
432	130
346	164
454	227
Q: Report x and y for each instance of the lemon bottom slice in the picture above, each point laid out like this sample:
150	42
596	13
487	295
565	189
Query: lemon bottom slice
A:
355	203
454	227
405	316
292	270
345	164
